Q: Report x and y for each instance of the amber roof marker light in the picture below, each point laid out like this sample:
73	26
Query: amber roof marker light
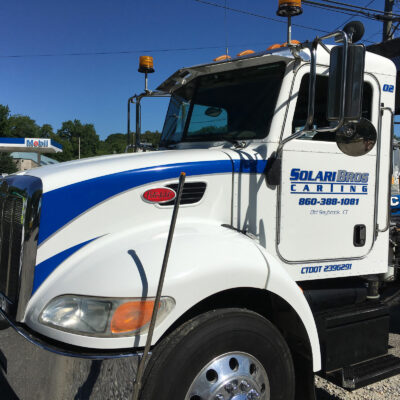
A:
146	66
289	9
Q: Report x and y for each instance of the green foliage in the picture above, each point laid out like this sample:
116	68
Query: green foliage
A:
4	115
116	143
73	132
46	131
7	165
22	126
69	136
151	137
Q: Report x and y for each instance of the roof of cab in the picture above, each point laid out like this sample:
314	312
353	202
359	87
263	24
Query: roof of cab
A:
185	75
374	64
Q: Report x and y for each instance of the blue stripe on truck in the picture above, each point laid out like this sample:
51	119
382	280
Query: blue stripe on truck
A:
45	268
61	206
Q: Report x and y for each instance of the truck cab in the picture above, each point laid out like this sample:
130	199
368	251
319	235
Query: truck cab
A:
280	254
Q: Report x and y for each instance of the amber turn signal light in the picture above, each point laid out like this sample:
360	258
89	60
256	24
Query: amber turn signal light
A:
132	316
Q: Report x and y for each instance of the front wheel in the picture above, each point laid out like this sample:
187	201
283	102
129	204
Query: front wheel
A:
228	354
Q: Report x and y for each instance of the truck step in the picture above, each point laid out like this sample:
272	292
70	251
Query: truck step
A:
367	372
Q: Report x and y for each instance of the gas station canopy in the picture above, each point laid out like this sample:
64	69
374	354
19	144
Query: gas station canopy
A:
32	145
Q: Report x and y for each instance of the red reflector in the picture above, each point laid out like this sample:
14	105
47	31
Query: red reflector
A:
159	195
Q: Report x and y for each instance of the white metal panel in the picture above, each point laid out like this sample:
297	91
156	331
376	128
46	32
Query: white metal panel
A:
318	212
318	215
386	100
205	259
128	210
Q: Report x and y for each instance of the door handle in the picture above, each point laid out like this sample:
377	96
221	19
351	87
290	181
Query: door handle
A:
360	235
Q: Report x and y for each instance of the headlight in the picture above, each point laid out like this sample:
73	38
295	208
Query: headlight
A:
104	317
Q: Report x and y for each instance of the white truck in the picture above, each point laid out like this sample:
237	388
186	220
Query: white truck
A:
279	255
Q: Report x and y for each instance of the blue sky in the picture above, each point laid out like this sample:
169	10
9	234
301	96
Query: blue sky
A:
95	88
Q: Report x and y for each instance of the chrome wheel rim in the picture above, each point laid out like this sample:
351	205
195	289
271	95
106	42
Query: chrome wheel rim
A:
231	376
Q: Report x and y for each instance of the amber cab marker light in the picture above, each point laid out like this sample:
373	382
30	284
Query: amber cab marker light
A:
245	53
223	58
289	8
146	64
292	43
131	316
274	46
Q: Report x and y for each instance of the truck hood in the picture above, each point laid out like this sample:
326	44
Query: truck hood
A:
72	189
69	173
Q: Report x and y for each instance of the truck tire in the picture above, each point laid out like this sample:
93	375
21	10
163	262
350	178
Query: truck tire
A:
219	355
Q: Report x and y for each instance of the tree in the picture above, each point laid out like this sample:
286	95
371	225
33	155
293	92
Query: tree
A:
116	143
151	137
46	131
7	164
4	123
70	133
22	126
68	136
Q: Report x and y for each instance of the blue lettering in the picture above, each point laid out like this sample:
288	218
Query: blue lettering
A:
294	174
388	88
341	176
303	175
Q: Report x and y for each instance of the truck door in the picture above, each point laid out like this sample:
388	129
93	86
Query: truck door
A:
327	198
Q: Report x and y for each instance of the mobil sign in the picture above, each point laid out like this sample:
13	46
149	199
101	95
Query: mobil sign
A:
37	143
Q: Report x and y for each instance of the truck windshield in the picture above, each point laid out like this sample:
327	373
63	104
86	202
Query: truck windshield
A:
230	105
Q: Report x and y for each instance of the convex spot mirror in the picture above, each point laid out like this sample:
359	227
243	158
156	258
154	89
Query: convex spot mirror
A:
213	111
356	139
354	76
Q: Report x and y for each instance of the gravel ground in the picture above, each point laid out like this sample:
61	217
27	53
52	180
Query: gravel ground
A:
388	389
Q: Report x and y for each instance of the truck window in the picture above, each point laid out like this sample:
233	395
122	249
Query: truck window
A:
321	99
176	118
229	105
207	120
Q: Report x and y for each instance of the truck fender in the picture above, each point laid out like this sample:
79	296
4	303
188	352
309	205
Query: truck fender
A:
280	283
205	259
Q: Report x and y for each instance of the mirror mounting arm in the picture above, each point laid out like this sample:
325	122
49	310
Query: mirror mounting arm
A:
272	178
136	99
313	77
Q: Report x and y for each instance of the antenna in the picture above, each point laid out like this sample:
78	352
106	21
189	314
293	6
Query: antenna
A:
226	31
289	9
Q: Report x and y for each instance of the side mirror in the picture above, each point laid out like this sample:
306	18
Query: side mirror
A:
354	76
356	139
